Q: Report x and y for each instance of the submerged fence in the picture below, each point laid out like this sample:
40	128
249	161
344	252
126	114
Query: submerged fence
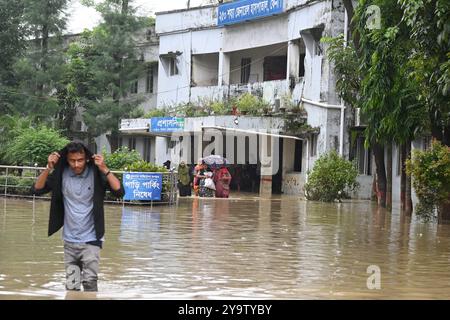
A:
16	181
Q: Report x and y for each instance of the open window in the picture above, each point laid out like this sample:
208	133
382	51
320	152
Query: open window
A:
170	62
245	69
205	69
149	80
275	68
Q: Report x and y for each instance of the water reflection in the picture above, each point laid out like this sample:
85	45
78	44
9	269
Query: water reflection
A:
233	248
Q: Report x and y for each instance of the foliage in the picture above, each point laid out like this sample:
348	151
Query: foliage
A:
387	97
428	22
154	113
430	170
250	104
12	38
144	166
121	158
16	185
298	126
220	108
346	65
246	104
191	110
111	64
10	127
331	178
33	145
37	73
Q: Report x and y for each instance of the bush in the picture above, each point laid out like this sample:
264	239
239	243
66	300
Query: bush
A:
17	185
248	103
10	127
155	113
121	158
33	145
331	178
220	108
144	166
430	170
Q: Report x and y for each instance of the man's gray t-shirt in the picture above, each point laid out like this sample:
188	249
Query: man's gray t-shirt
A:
78	198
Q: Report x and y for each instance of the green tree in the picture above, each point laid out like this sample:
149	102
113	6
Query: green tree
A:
33	145
431	172
113	59
37	73
374	75
428	22
76	86
12	45
10	127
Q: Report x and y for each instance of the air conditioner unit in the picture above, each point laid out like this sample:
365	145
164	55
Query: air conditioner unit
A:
359	121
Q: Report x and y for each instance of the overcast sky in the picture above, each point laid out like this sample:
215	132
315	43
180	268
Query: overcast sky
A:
81	17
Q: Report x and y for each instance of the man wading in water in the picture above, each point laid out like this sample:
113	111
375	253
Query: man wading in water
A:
78	181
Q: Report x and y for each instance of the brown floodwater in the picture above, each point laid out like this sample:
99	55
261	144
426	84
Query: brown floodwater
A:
240	248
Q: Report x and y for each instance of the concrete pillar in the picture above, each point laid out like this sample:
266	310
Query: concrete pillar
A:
293	60
161	154
224	69
266	158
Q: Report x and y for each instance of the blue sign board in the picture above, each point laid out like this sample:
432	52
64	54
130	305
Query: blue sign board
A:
142	186
238	11
166	124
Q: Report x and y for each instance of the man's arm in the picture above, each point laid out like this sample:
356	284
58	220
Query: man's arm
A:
42	179
41	186
113	181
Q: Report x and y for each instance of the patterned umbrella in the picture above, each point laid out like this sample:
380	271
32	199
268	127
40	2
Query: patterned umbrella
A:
215	161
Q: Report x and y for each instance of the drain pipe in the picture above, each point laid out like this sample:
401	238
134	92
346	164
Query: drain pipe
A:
341	138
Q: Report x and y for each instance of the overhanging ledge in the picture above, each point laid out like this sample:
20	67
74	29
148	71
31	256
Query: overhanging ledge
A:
252	132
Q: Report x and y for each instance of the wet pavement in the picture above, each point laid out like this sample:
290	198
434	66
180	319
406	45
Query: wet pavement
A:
240	248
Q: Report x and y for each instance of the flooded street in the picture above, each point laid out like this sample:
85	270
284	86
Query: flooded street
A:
242	248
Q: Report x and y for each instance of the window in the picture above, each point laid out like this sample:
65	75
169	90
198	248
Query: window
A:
132	143
275	68
301	65
134	87
149	82
298	155
364	157
313	146
147	149
245	69
173	68
148	34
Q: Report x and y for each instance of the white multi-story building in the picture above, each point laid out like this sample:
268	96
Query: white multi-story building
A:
271	48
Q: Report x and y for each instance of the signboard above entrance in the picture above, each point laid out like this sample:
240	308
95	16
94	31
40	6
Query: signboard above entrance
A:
166	124
238	11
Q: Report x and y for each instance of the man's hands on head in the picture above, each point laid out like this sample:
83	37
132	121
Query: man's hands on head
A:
100	163
52	160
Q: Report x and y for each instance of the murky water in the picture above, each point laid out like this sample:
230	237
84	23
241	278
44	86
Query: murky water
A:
243	248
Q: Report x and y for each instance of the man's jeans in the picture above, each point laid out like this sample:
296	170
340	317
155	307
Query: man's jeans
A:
81	261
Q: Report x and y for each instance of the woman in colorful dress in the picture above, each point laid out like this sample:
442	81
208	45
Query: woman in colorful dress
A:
222	180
